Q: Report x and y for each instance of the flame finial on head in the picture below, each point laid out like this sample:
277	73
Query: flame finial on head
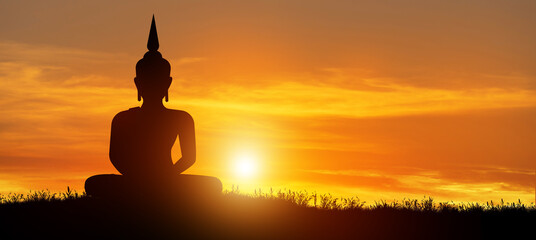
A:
152	64
152	42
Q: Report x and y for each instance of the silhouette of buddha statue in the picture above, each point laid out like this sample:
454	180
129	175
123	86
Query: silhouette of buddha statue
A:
142	138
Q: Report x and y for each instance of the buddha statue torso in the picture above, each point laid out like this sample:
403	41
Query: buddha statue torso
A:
141	140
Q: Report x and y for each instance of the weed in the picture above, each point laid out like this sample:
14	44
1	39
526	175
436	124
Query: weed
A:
306	199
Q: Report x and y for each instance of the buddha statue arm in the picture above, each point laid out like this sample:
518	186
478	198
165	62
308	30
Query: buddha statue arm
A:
116	145
187	143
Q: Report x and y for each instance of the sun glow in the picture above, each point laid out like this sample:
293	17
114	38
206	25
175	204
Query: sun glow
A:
246	165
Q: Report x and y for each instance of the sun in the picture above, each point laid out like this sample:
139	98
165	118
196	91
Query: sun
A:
246	165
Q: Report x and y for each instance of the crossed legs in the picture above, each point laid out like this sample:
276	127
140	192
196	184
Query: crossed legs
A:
110	185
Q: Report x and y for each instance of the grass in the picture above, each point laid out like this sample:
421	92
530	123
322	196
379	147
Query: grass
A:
39	196
281	214
306	199
427	204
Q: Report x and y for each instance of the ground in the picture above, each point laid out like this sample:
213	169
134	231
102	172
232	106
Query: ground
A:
234	216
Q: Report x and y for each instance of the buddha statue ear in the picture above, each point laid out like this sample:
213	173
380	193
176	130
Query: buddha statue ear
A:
167	92
139	94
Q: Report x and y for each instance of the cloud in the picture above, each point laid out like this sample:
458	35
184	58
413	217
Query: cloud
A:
60	101
481	186
300	99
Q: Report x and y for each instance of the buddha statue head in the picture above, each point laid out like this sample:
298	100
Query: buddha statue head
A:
152	71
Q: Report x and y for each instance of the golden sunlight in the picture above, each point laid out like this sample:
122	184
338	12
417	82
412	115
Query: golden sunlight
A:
246	165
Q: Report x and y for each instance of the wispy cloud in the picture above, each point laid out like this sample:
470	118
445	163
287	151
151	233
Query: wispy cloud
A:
302	99
58	102
483	186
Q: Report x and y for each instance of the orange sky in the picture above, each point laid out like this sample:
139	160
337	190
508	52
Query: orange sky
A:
356	98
